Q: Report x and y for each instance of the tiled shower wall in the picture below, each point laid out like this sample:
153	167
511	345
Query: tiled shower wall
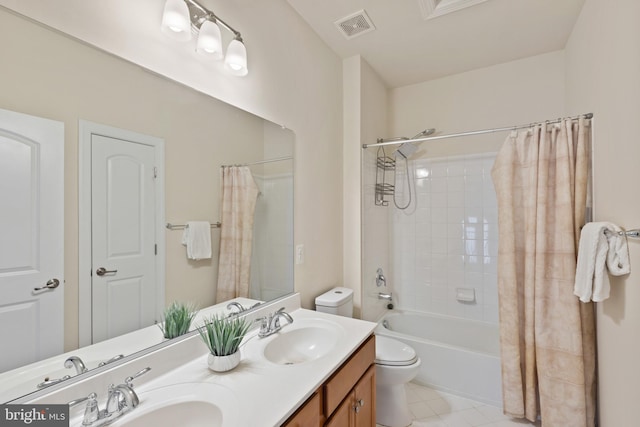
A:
447	239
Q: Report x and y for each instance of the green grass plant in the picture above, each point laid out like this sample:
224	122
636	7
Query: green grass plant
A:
223	335
177	319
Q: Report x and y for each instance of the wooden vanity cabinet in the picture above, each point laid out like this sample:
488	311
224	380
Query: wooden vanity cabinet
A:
358	409
309	414
347	398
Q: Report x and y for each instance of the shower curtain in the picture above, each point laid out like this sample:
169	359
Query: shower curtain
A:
239	194
547	335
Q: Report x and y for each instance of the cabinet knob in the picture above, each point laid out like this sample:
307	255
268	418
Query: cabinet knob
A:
359	404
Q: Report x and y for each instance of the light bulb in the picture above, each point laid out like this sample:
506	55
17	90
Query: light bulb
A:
210	40
236	58
175	20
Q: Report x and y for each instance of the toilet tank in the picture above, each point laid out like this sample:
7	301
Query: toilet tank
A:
336	301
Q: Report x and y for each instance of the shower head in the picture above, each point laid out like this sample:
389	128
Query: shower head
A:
406	150
425	132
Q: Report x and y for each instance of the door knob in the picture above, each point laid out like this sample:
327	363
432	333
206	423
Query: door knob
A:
51	284
102	271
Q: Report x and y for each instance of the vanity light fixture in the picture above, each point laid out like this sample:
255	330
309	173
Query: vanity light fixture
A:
181	18
175	20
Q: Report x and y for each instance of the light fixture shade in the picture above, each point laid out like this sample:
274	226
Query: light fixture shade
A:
236	58
175	20
210	40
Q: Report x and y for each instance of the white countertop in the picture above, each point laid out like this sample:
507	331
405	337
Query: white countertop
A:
268	393
256	393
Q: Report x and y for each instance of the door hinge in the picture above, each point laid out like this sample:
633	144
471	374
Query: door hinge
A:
155	249
155	171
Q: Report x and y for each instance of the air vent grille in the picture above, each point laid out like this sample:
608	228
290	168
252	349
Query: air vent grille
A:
355	24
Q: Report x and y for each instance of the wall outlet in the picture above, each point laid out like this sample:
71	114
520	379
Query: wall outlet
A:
299	254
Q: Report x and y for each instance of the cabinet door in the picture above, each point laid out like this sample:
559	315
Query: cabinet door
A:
364	400
308	415
343	416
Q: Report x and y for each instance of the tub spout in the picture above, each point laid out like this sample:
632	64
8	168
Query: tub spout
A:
388	297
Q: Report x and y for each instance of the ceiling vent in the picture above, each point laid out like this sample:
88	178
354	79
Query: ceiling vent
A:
355	24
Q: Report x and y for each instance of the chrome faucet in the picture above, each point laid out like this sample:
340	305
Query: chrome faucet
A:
75	362
271	324
388	296
237	305
120	400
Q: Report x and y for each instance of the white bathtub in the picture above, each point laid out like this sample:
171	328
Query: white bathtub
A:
459	356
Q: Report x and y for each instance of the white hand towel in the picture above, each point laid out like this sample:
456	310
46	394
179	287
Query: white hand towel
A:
600	246
618	255
197	239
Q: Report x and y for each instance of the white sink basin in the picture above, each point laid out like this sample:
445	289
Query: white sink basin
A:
303	342
185	405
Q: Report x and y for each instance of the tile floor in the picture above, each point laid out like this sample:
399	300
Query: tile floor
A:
432	408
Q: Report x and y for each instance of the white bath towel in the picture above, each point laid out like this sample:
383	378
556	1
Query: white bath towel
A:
197	239
601	245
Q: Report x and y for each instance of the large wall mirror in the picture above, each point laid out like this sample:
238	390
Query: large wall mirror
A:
48	75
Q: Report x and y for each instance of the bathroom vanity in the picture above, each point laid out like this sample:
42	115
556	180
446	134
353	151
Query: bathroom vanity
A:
347	398
316	371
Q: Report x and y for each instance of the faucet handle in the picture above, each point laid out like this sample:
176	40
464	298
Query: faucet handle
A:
92	412
264	323
75	402
129	380
113	359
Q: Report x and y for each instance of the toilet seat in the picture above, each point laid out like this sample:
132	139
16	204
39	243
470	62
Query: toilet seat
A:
390	352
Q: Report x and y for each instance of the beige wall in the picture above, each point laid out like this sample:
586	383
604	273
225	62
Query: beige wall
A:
365	120
375	227
517	92
351	184
294	79
603	76
68	81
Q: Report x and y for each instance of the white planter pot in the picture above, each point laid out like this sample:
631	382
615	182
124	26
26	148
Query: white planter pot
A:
223	363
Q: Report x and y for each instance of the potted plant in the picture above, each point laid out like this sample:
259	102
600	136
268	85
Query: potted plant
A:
222	336
177	319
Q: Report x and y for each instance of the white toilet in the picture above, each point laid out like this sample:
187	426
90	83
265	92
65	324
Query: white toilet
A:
396	363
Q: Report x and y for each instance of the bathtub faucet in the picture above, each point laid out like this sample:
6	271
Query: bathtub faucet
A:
382	295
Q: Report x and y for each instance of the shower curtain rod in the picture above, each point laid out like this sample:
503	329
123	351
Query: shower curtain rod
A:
475	132
259	162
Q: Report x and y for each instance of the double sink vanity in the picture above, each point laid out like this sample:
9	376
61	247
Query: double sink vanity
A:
318	370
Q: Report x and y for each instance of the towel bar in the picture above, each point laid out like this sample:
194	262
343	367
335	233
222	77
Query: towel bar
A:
630	233
183	226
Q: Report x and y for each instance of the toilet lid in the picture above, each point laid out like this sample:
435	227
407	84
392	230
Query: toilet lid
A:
393	352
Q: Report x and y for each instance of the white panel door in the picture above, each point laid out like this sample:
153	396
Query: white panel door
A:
31	238
123	227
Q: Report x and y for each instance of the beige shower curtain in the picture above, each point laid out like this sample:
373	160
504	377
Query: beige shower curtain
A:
547	335
239	194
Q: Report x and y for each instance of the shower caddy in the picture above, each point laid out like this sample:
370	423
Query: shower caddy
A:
384	164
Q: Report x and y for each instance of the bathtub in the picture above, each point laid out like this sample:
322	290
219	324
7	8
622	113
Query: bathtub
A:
459	356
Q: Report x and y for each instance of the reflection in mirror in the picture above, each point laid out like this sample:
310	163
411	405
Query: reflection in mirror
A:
68	82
